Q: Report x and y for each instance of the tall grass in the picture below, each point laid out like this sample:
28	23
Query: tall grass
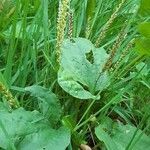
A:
31	35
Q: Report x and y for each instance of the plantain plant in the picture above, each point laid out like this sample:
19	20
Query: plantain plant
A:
74	74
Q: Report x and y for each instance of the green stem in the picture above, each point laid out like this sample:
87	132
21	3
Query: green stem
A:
113	100
85	113
94	115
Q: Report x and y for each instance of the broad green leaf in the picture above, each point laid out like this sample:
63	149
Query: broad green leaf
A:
143	46
144	29
120	137
123	134
102	135
145	8
46	139
77	75
25	130
15	125
48	102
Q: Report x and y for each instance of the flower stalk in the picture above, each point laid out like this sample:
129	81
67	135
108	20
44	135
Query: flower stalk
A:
61	25
108	24
9	97
115	47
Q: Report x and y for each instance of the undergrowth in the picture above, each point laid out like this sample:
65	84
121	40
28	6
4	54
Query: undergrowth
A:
74	74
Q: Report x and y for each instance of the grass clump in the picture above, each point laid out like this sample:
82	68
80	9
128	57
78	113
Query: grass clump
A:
75	74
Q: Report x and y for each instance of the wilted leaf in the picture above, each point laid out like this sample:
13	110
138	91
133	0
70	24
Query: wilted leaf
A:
79	76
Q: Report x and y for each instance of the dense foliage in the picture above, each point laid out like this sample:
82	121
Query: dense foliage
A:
75	74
